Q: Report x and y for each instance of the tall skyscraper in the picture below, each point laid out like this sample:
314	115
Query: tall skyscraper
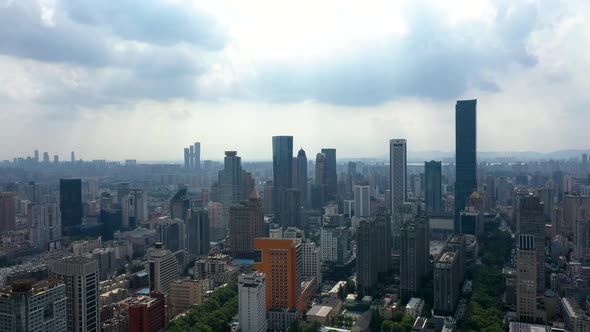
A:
302	177
197	230
465	154
362	201
36	157
433	186
45	157
415	255
320	173
197	146
187	155
7	212
252	302
191	157
73	157
350	176
171	234
373	250
531	221
80	276
70	204
24	306
397	183
331	177
526	278
291	211
582	240
230	181
246	223
162	268
282	168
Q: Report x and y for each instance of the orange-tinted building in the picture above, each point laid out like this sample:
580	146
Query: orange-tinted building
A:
147	313
279	264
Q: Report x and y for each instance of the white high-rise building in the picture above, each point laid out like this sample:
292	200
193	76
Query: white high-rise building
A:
311	262
44	225
334	244
397	180
162	267
80	276
362	201
252	302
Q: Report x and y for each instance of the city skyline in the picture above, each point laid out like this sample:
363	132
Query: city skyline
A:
221	66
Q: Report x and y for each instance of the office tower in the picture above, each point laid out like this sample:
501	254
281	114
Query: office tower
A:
465	153
246	223
44	224
217	226
531	221
7	212
24	306
279	265
170	233
179	205
447	281
197	146
191	157
414	256
282	168
350	176
230	181
469	222
330	176
36	158
397	183
526	278
80	276
72	157
147	313
362	201
291	210
185	293
252	302
373	250
70	204
56	159
334	244
247	185
45	157
546	196
187	158
162	267
582	240
317	196
433	186
302	177
197	230
320	172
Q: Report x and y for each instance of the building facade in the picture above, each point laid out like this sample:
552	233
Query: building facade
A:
465	153
252	302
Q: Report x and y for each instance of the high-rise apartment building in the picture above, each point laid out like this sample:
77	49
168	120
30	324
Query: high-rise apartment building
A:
44	224
7	211
526	278
197	230
191	157
252	302
230	181
414	255
334	244
582	240
302	177
23	306
433	186
311	261
70	204
362	201
330	176
246	223
373	250
171	233
465	153
80	276
282	168
162	267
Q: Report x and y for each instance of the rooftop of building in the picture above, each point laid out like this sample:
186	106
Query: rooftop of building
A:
414	303
142	300
26	285
320	311
76	260
447	256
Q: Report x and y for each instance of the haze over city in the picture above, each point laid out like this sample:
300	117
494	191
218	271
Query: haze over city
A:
114	80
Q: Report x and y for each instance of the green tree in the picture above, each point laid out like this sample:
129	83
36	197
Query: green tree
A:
121	270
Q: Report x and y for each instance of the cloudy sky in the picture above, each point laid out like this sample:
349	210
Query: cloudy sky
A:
142	79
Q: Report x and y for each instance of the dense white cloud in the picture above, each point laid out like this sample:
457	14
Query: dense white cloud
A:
141	79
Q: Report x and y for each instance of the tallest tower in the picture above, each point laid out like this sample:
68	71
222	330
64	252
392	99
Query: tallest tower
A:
465	153
282	170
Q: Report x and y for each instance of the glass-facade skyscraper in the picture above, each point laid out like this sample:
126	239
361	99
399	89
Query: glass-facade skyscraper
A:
282	170
433	186
70	204
330	176
465	154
